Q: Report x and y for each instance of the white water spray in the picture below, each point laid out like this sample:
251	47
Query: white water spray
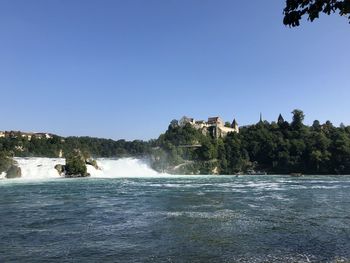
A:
44	168
126	167
39	168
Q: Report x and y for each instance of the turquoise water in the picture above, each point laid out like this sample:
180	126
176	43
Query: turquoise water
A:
180	219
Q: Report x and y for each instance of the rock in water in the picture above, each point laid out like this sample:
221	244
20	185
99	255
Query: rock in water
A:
76	165
76	175
60	169
5	162
14	172
92	162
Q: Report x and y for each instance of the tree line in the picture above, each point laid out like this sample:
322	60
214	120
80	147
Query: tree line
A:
278	147
21	146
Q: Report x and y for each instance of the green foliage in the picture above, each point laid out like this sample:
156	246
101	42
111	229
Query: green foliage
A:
296	9
198	152
51	147
207	151
277	147
75	164
236	159
9	165
186	135
298	118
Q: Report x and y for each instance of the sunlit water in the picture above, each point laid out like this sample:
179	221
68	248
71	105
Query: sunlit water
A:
176	219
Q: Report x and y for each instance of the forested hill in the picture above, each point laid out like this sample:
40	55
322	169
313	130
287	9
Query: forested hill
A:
19	145
278	147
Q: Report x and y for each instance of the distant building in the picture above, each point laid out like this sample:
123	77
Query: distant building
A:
43	135
215	126
215	121
185	120
280	119
28	135
234	125
200	124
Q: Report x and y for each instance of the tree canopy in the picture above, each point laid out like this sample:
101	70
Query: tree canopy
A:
296	9
278	148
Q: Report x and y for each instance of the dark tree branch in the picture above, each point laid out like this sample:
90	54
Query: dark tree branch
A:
296	9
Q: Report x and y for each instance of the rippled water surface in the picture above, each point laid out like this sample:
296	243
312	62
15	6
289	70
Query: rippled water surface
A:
180	219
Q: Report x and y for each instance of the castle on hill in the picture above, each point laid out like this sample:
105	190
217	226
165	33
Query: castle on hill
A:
215	126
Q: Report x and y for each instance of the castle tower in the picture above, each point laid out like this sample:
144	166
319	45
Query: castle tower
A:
234	125
280	120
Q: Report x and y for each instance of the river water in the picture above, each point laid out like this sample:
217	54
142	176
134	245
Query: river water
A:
176	219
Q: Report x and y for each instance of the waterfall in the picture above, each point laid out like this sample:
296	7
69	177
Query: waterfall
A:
43	168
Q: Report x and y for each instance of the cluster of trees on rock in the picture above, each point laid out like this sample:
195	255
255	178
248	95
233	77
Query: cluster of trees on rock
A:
9	166
75	165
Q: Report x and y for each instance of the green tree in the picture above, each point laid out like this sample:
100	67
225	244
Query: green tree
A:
340	150
296	9
75	164
316	126
236	160
222	156
207	151
298	118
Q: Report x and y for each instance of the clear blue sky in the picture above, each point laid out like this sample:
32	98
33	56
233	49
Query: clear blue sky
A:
126	68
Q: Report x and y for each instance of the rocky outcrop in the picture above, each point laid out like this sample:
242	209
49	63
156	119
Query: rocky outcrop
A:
76	175
75	165
13	172
92	162
9	166
60	169
5	162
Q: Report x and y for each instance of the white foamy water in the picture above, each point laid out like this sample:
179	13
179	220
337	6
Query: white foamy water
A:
39	168
125	167
44	168
2	175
